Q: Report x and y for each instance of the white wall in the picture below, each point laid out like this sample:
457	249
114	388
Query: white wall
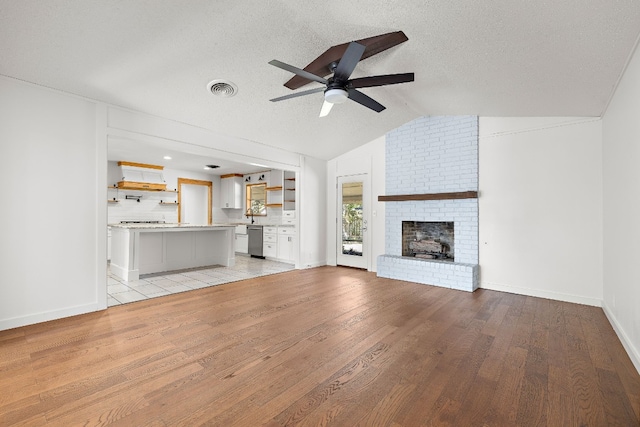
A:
621	152
311	193
369	159
540	207
53	216
147	129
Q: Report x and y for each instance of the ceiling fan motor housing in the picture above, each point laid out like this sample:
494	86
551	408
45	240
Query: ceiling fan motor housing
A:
335	93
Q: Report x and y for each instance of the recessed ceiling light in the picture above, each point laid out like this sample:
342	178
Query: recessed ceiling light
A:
167	157
223	88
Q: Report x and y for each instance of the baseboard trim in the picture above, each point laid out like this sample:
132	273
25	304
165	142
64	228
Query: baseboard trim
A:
576	299
32	319
632	351
312	265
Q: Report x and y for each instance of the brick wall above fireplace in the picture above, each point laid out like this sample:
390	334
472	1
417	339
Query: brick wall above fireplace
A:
433	155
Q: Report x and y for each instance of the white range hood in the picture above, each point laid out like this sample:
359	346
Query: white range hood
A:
140	176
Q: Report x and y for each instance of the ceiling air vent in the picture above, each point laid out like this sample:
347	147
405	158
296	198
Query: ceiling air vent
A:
222	88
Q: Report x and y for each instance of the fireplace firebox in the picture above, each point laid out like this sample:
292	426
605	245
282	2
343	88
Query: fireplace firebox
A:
428	240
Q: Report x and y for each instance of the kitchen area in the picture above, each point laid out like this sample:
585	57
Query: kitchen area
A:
171	230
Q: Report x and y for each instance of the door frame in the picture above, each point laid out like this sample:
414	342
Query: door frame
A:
366	218
195	182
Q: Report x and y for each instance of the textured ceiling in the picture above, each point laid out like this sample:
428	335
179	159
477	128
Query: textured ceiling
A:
488	58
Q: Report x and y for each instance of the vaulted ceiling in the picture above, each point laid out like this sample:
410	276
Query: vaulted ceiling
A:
488	58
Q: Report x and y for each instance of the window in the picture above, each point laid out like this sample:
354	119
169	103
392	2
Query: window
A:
256	199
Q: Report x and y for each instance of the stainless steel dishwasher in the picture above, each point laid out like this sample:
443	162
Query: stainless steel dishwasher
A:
255	240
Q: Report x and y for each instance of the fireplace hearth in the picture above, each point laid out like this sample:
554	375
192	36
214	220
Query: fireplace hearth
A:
428	240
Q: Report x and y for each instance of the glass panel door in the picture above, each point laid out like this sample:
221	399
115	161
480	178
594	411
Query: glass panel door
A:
352	223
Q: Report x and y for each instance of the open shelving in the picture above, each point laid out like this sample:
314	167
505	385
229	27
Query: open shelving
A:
117	189
289	191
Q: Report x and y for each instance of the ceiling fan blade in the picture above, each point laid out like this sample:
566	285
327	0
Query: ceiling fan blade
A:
383	80
349	61
295	70
363	99
320	65
326	107
297	94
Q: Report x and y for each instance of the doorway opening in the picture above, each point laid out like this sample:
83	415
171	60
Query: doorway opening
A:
194	200
353	208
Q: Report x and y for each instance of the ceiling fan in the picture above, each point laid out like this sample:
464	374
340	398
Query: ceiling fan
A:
338	88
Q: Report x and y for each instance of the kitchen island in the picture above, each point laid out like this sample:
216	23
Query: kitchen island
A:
138	249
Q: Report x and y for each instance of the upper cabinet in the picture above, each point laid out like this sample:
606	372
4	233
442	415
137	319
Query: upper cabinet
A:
231	191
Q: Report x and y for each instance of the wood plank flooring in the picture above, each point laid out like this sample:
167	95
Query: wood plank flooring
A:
322	347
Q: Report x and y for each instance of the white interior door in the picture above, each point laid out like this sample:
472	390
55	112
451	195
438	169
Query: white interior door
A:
193	204
353	217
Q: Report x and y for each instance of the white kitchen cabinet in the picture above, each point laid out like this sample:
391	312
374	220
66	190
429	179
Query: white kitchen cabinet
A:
288	217
242	239
270	242
231	191
242	243
286	244
108	243
270	250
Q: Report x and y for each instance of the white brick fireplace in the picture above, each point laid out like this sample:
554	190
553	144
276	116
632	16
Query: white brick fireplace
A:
432	176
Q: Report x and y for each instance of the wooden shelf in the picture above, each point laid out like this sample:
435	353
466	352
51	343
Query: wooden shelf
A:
289	179
141	189
113	201
274	205
429	196
273	188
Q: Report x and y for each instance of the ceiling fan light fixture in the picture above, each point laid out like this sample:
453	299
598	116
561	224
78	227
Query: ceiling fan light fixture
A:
336	96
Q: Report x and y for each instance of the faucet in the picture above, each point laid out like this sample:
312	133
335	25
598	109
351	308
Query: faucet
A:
250	214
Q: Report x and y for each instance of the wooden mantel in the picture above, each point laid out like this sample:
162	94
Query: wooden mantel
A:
429	196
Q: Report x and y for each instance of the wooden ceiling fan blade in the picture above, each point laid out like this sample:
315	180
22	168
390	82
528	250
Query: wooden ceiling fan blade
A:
363	99
382	80
373	46
298	94
295	70
349	61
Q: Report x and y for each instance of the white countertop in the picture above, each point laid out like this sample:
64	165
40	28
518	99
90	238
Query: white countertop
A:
162	226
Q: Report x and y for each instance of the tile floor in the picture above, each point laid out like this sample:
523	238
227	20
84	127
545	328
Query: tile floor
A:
122	292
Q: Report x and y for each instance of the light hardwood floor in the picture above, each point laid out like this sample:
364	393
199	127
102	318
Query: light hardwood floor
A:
326	346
